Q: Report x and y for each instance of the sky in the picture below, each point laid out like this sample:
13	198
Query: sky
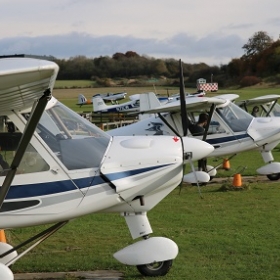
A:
197	31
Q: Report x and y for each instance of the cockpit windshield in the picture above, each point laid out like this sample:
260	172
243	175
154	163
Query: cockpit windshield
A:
76	142
236	118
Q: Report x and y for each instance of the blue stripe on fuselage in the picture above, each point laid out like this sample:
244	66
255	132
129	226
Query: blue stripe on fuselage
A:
49	188
221	140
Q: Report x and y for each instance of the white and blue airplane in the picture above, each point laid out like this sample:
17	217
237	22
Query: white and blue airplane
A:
99	106
60	166
112	97
230	129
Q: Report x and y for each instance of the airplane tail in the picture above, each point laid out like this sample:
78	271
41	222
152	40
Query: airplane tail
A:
148	101
82	100
98	104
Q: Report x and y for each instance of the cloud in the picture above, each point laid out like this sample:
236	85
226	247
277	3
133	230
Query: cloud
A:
211	49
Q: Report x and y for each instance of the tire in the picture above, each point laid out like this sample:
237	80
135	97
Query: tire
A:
155	269
273	177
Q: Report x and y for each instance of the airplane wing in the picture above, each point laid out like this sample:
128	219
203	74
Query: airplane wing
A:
24	83
193	103
229	96
23	80
258	100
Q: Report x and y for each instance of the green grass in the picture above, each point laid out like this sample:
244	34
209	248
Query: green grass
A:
73	83
225	235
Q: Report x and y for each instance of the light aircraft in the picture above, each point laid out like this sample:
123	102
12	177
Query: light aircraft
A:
99	106
82	100
61	166
113	97
176	97
230	129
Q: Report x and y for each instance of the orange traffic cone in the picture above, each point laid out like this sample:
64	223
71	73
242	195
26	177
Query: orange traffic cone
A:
2	236
226	164
237	180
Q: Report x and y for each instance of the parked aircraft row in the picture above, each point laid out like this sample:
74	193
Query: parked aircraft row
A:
132	106
62	167
229	128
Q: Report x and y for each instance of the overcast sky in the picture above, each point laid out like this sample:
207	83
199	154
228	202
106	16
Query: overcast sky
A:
193	30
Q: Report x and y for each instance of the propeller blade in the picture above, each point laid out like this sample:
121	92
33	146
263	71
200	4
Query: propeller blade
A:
183	101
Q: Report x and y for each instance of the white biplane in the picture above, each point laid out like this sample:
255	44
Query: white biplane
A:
230	129
61	166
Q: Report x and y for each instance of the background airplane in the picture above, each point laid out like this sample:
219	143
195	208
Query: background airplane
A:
230	129
64	167
100	106
112	97
82	100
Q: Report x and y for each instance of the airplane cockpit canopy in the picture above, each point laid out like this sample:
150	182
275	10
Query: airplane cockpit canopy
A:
75	141
236	118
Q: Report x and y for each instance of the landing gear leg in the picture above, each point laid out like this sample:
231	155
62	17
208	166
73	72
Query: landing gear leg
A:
153	256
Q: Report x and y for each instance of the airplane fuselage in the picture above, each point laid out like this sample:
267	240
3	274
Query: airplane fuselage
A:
72	168
227	136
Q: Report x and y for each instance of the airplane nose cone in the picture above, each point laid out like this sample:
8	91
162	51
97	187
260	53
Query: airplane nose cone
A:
197	148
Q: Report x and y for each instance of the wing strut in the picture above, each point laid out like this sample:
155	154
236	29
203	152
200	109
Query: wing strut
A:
37	111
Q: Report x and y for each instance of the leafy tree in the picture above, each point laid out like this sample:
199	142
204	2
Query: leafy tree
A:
257	43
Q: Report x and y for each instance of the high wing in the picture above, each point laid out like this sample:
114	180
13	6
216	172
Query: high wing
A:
266	102
19	88
24	83
149	104
258	100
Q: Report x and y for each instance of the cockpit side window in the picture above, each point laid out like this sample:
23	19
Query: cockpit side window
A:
75	141
9	139
236	118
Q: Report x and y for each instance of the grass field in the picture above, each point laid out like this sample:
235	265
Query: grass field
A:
227	235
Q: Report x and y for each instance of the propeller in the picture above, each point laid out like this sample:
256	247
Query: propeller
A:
185	125
184	118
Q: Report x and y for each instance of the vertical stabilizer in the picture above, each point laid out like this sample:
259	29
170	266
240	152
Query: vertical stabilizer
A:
98	104
148	101
82	99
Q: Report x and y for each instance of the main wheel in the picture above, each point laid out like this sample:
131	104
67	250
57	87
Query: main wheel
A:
155	269
273	177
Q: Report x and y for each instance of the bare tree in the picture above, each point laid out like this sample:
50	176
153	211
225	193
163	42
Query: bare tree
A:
257	43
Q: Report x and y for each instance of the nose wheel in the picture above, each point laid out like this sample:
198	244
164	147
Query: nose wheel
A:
155	269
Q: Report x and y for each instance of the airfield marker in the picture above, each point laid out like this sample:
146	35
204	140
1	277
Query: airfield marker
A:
2	236
226	164
237	180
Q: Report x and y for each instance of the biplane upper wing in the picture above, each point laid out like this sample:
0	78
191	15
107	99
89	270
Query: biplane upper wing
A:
24	83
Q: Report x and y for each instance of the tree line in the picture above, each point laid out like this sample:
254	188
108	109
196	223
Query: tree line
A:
260	62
